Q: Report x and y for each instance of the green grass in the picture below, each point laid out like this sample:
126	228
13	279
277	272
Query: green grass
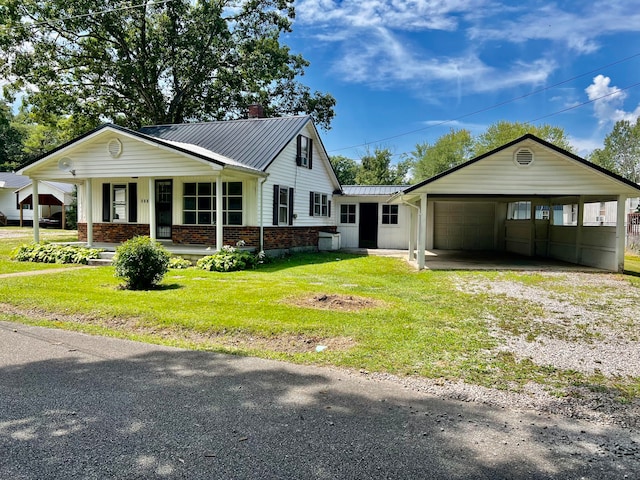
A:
421	324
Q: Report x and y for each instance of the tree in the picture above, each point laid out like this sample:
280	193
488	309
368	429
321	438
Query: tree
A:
155	62
503	132
376	169
346	169
10	141
621	152
447	152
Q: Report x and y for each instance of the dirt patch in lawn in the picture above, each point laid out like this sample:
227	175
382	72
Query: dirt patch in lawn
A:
229	340
349	303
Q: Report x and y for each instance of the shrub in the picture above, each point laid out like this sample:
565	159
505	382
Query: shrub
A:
178	263
229	259
53	253
142	262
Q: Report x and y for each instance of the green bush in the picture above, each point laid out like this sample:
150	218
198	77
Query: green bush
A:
178	263
53	253
142	262
229	259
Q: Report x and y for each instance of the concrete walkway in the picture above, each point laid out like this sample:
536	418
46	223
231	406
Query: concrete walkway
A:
77	406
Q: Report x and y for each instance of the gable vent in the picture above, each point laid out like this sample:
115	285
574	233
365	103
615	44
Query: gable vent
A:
524	157
114	147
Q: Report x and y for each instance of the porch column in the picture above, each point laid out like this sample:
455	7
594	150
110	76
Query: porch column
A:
219	215
88	211
152	209
621	233
422	229
36	210
413	231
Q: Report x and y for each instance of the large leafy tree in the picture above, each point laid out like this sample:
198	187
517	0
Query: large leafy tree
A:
376	169
346	169
10	140
621	152
155	62
503	132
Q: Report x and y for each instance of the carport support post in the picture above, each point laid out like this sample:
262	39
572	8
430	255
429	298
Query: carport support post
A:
422	229
579	230
413	231
36	210
621	232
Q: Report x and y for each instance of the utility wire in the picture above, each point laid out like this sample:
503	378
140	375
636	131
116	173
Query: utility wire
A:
506	102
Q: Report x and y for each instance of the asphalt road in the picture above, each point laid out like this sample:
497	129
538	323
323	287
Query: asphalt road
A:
77	406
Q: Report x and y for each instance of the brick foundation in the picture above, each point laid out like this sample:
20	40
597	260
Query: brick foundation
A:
275	238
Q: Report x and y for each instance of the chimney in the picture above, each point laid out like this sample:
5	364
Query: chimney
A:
256	111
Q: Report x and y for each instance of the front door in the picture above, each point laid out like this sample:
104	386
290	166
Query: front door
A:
164	200
368	229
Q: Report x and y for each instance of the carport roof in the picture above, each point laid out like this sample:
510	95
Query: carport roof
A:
470	184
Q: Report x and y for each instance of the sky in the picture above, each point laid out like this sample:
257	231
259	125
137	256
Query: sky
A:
405	72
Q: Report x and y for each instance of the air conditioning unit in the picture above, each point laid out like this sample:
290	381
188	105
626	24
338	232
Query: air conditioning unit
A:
600	218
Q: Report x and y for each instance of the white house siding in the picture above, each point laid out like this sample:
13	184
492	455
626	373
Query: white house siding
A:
8	205
138	159
284	172
464	226
44	188
389	236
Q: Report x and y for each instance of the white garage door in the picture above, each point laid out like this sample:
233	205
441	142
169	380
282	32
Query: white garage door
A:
464	226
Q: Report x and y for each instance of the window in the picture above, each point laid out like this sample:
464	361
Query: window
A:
119	203
199	203
319	205
348	213
283	206
519	211
389	214
304	154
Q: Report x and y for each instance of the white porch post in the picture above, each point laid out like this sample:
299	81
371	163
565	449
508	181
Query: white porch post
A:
36	210
579	229
413	231
219	215
88	210
621	232
422	229
152	209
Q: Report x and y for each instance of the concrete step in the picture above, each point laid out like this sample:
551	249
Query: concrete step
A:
100	262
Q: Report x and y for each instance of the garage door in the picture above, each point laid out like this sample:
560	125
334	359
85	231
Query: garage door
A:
464	226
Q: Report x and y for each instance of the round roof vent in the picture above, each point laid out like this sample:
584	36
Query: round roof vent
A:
114	147
523	157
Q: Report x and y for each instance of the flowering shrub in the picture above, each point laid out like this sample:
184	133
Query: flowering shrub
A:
53	253
142	262
178	263
229	259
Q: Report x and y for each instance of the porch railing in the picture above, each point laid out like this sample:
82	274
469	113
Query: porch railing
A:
633	224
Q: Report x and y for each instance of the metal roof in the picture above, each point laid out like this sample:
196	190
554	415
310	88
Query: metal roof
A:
253	143
11	180
356	190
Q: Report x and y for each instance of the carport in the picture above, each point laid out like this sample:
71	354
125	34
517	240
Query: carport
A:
527	197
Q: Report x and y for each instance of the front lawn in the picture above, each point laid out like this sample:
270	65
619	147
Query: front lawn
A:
371	314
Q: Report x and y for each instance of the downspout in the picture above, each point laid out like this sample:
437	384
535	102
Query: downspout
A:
262	213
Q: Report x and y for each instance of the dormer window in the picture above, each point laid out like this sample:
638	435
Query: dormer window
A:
304	154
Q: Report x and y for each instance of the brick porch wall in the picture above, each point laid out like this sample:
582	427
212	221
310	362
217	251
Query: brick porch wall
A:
275	238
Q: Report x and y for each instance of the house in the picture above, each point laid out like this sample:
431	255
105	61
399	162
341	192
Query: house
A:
265	181
15	198
366	220
527	197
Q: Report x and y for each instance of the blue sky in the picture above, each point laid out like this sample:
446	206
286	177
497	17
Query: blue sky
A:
400	66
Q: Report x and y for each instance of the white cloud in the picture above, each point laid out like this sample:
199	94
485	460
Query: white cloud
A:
608	100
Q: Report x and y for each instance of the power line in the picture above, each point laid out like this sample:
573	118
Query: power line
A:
506	102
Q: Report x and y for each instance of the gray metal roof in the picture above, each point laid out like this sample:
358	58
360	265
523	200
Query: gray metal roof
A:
11	180
355	190
254	143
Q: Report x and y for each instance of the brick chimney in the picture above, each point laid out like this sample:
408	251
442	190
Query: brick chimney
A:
256	111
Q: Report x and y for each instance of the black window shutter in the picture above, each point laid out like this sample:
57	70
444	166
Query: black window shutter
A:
299	150
276	196
311	196
106	202
291	206
329	209
133	202
310	153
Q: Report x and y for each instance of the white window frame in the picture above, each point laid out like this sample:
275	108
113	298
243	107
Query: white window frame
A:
348	213
304	151
121	205
515	210
283	207
320	204
393	218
